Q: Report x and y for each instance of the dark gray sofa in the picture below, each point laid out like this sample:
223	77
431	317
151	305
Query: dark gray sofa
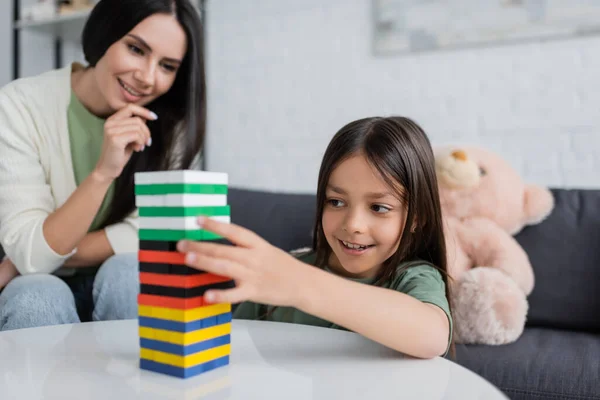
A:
558	355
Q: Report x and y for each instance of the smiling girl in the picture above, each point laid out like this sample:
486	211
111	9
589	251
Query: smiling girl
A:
378	262
71	140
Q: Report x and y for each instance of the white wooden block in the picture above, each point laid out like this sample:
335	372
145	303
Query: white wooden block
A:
176	223
181	200
181	176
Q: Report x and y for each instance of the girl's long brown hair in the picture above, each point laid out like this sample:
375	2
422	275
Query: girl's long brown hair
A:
401	152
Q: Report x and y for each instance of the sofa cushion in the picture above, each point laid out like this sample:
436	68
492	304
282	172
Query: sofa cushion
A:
284	220
542	364
565	253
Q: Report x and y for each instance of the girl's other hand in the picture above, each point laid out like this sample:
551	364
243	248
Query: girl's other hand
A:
262	272
124	132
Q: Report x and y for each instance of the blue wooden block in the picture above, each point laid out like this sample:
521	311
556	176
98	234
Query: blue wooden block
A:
208	322
223	318
184	327
184	350
169	325
183	372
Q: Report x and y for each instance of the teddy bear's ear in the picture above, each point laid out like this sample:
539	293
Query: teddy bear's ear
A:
538	203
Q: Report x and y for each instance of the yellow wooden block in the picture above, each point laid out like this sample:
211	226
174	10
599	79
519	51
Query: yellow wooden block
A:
193	314
185	338
186	361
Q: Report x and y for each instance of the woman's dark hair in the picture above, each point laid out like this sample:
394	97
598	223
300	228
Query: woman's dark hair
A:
401	153
178	134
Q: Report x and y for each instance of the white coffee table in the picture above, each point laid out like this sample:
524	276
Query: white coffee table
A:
268	361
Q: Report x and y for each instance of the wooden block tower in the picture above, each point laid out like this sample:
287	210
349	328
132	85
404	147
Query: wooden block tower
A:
179	334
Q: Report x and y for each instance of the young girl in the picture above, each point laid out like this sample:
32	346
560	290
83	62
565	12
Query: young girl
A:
378	247
70	142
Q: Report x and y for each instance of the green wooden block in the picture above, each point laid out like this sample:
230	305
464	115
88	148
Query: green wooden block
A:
174	235
179	188
210	211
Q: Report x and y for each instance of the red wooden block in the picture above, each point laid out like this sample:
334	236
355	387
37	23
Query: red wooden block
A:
181	281
162	257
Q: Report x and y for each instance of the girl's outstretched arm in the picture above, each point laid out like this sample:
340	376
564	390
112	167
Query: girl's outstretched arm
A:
392	318
268	275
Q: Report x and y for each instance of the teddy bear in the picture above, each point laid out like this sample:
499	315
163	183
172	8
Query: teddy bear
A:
484	204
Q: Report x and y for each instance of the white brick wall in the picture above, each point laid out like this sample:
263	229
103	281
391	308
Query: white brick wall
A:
285	75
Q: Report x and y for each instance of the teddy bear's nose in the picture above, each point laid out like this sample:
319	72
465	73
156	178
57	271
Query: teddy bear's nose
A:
459	155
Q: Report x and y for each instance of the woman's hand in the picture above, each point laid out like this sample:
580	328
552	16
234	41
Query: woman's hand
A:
124	132
8	271
262	272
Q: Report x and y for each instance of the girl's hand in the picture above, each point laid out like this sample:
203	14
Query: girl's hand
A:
124	132
262	272
8	271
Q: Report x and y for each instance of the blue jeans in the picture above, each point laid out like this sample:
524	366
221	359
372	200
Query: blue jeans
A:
40	300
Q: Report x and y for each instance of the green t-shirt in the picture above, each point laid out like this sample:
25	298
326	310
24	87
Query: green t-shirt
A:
421	281
86	134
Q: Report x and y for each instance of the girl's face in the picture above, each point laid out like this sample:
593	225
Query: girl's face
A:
142	65
363	219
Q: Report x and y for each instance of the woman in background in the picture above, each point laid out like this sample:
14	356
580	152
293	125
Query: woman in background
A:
70	142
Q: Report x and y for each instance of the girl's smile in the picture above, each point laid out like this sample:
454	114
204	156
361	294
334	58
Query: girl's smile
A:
355	249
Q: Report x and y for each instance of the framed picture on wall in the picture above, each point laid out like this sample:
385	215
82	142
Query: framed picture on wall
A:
405	26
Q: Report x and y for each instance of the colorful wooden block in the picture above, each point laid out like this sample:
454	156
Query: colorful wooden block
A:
162	257
179	188
180	200
158	245
156	268
184	315
177	326
224	318
176	223
181	281
181	176
164	245
184	292
170	302
187	361
210	321
184	338
183	372
189	349
179	234
173	269
213	211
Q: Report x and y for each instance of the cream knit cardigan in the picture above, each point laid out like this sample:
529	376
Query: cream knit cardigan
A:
36	171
